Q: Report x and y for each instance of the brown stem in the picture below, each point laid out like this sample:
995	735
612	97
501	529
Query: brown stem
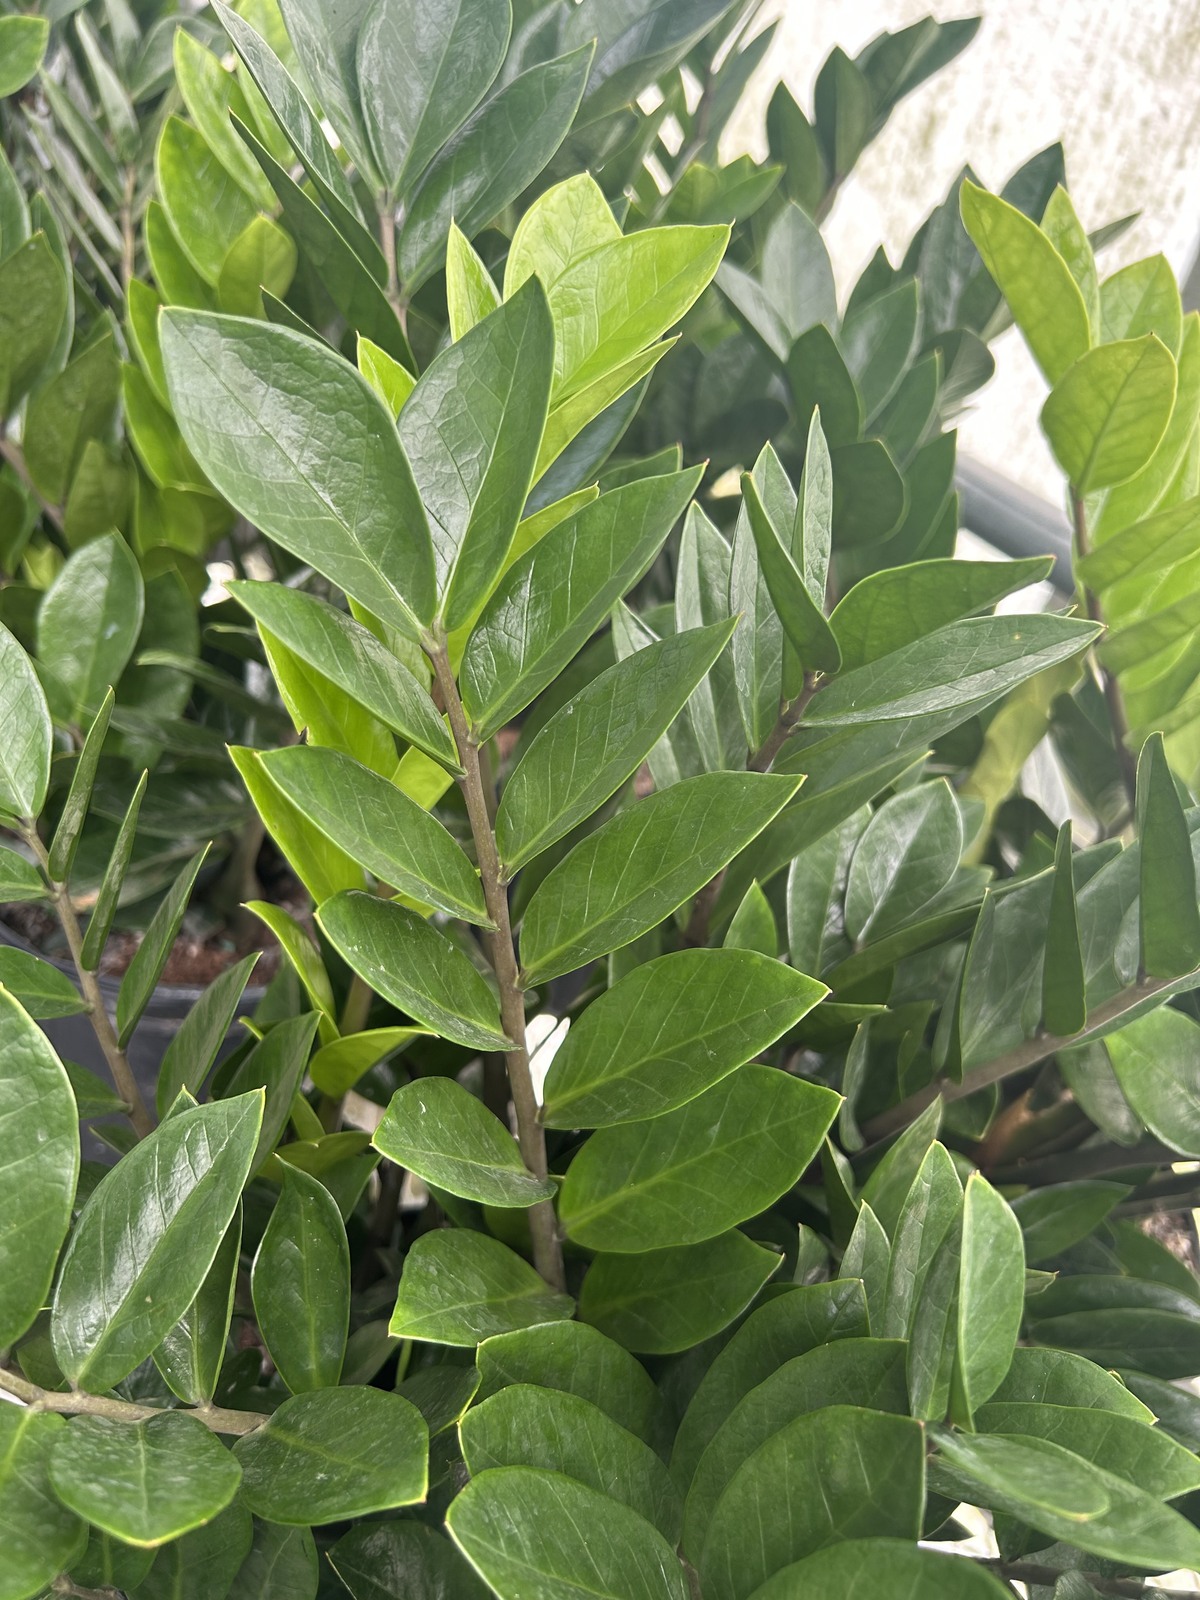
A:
1029	1572
1113	698
789	720
1026	1054
75	1403
543	1226
12	453
118	1063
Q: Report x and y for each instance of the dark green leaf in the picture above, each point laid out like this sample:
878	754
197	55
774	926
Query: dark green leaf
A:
326	41
460	1287
282	1565
19	878
403	1561
1154	1059
203	1564
438	1130
1058	1378
1169	915
107	897
789	585
144	971
907	855
33	302
42	990
991	1291
38	1535
189	1056
79	796
301	1284
192	1354
861	1569
842	104
1144	1456
25	733
22	46
1064	1006
75	406
931	1207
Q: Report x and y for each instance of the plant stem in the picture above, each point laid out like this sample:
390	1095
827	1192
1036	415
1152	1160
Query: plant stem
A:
1087	1162
1026	1054
1113	698
387	243
128	238
118	1063
12	453
75	1403
1029	1572
479	795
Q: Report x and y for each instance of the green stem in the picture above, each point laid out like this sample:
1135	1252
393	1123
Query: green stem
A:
387	243
15	458
75	1403
479	795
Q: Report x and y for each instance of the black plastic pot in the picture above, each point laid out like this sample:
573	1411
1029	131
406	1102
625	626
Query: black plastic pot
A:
74	1039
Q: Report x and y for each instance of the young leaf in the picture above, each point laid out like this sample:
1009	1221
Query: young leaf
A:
208	92
472	428
566	222
801	615
334	1454
572	577
147	1237
752	926
459	1287
40	1536
301	1284
1142	298
641	865
1105	418
470	293
663	1301
251	399
436	1129
144	971
143	1483
25	752
390	381
190	1055
79	796
191	1356
669	1030
206	207
598	739
323	867
866	1259
39	1166
378	826
696	1172
1169	916
537	1535
338	1066
1066	233
1064	1004
415	967
930	1209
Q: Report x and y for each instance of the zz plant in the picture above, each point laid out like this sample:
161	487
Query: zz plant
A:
695	1149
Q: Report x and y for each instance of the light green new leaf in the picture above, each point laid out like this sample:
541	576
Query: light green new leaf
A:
39	1537
421	72
550	602
530	1426
338	1066
1106	415
304	958
663	1301
459	1288
262	257
1142	298
301	1284
906	856
415	967
143	972
209	92
492	158
147	1238
390	381
599	739
1169	916
334	1454
23	42
353	658
378	826
866	1470
568	220
669	1030
1066	233
145	1482
25	733
1154	1059
472	428
470	293
89	622
191	1356
862	1569
1043	297
641	865
435	1128
39	1165
253	402
696	1172
537	1535
968	662
206	207
991	1291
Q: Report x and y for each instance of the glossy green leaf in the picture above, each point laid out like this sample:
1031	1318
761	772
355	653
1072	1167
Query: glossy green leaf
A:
867	1471
192	1354
33	302
190	1055
695	1172
334	1454
801	614
931	1207
1142	297
301	1284
303	956
537	1535
753	925
39	1165
107	897
353	658
879	340
1064	1005
204	1563
403	1560
76	405
261	258
860	1569
669	1030
459	1287
325	40
206	207
472	428
1146	1457
977	659
143	972
991	1291
907	855
282	1565
492	158
551	601
598	740
337	1066
146	1240
1043	297
663	1301
19	879
529	1426
577	1359
209	92
1058	1378
275	1065
1066	233
40	1536
415	967
379	827
420	77
25	732
1154	1061
390	381
89	622
866	1259
568	220
850	1371
41	989
147	1482
1169	916
1105	418
438	1130
75	808
932	1334
642	864
250	399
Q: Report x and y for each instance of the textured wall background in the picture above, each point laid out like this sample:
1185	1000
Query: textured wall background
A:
1118	81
